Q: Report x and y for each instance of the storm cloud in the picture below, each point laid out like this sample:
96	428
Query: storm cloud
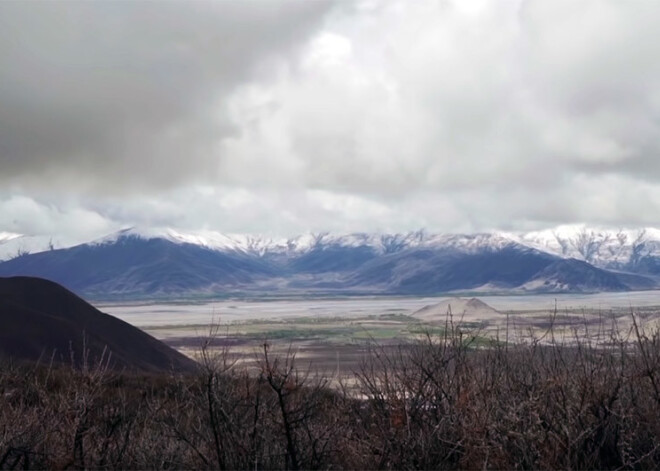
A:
126	94
283	117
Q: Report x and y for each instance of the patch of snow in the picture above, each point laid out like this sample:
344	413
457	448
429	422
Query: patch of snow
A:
14	245
7	236
209	239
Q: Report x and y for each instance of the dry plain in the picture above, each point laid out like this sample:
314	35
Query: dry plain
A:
333	335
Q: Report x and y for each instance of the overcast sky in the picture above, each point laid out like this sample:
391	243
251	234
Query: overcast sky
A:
284	117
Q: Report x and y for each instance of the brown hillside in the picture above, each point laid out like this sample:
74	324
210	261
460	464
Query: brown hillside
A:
41	319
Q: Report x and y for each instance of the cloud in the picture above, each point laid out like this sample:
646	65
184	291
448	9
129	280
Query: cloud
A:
291	116
115	95
69	222
483	102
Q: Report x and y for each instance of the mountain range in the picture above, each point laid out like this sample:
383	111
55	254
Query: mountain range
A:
153	263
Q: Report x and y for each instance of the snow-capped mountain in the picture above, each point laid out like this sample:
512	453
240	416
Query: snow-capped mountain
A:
212	240
614	249
141	265
600	247
155	262
309	242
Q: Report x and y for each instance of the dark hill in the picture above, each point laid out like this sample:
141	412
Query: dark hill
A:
39	317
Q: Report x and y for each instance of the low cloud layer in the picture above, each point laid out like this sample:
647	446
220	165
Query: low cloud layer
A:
282	117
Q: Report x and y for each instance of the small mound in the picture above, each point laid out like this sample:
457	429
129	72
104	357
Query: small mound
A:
472	309
41	319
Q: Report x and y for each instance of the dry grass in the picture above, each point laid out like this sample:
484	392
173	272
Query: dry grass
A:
443	401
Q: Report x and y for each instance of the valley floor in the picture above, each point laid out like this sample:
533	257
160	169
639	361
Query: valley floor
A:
333	336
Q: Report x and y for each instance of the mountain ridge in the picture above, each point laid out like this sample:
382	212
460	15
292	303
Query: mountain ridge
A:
593	245
165	262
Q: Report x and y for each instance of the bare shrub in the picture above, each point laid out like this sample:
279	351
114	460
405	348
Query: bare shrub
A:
450	400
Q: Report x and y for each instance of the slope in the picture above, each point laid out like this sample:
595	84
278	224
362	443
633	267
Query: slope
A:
571	275
39	318
427	271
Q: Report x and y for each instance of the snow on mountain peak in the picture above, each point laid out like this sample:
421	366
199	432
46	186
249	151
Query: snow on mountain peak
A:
601	247
236	242
14	245
209	239
598	246
379	242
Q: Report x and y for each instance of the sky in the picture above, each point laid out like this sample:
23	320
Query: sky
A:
283	117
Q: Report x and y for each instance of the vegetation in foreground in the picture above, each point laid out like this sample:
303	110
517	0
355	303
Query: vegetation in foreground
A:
439	402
